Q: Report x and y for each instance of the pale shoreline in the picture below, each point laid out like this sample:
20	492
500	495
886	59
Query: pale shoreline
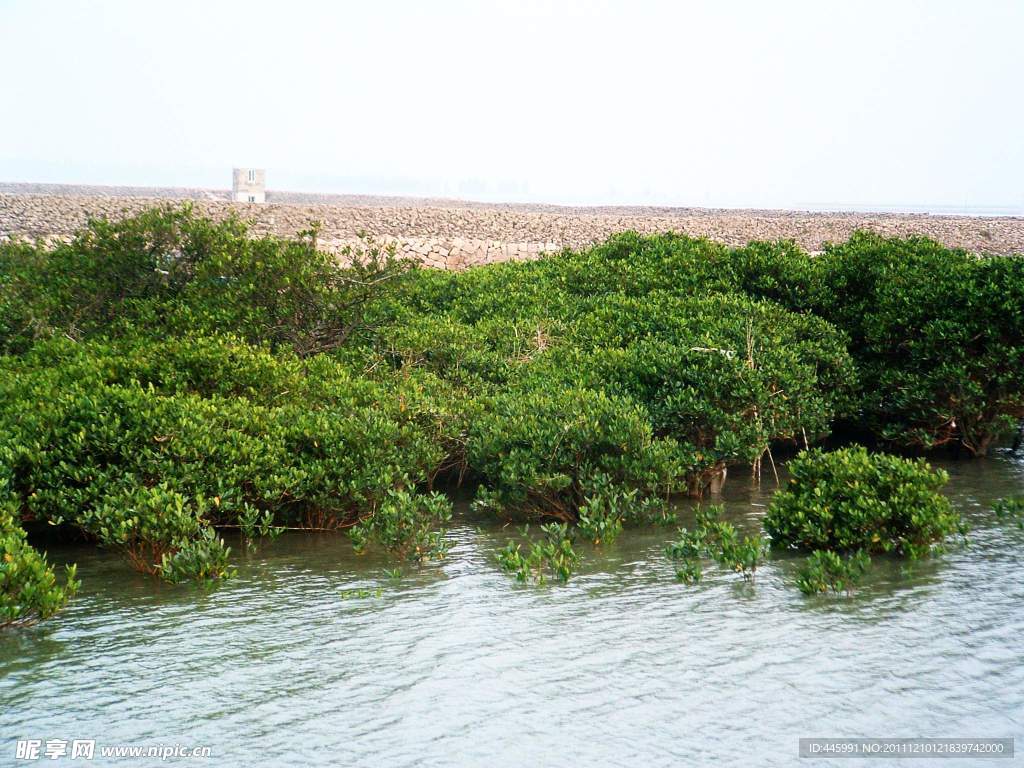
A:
291	197
455	234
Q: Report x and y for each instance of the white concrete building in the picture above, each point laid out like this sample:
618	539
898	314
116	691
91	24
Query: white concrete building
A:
249	185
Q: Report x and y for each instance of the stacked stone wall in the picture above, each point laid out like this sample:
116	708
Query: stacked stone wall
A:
450	236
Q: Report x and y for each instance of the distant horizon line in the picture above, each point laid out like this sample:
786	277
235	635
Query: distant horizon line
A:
934	209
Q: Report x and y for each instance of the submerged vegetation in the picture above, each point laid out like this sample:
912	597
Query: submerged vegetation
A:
827	571
1011	509
552	553
166	376
716	540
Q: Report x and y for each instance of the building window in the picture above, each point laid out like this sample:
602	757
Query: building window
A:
252	176
252	198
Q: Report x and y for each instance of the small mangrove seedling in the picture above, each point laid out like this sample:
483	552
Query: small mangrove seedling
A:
689	572
552	553
600	516
257	526
203	558
610	506
826	571
1012	509
410	525
687	551
718	541
742	555
362	594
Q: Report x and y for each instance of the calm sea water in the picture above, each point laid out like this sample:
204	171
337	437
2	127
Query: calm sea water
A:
458	665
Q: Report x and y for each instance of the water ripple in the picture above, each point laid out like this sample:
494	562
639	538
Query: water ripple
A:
459	665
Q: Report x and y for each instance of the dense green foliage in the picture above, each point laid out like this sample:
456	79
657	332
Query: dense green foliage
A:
143	458
559	454
166	376
849	500
937	334
29	589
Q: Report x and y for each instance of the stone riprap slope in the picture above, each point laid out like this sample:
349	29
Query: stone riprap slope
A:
451	234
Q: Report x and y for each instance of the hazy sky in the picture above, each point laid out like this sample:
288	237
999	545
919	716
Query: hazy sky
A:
687	103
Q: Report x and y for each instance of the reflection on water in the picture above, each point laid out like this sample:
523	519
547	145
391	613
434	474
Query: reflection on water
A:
458	664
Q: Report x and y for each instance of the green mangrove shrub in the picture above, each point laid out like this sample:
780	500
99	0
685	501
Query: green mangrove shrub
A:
143	460
638	265
256	525
716	540
408	524
168	270
22	318
553	554
103	275
849	499
289	294
202	558
164	375
29	588
937	334
780	271
153	524
827	571
723	376
553	453
607	506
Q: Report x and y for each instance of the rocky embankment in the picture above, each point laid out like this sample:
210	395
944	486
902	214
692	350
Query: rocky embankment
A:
453	234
